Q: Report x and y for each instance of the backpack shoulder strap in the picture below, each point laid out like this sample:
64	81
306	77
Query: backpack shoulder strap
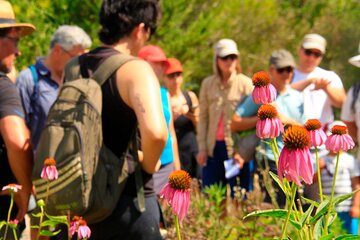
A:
187	98
72	70
36	89
109	66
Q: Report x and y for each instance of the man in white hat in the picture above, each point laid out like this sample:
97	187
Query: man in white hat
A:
15	151
322	89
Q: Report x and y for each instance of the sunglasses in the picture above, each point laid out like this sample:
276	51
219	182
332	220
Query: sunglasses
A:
231	57
174	75
308	53
285	69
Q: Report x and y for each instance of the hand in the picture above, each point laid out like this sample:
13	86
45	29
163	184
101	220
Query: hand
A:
320	83
190	115
238	159
21	199
355	211
201	158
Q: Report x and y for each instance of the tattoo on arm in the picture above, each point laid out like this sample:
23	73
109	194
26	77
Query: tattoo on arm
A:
139	103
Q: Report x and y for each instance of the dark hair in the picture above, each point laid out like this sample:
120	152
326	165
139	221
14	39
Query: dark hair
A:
4	31
118	18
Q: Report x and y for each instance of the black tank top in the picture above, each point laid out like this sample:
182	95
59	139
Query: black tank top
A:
118	119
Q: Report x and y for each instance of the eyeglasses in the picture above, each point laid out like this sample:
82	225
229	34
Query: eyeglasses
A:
285	69
231	57
14	40
69	53
174	75
308	53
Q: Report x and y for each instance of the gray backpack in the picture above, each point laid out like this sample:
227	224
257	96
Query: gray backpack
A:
91	178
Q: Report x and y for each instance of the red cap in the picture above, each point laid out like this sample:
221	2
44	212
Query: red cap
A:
174	66
153	53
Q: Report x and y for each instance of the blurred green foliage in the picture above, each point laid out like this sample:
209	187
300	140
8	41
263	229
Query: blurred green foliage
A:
189	28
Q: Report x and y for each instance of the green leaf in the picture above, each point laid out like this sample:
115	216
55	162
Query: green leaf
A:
343	197
317	228
323	208
295	224
277	180
35	226
49	223
332	218
327	237
312	202
277	213
36	214
2	223
49	233
59	219
347	237
306	215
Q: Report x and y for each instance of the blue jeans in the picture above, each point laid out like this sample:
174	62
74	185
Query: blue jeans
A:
350	224
214	171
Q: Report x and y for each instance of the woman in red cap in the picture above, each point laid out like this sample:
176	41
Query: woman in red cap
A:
184	106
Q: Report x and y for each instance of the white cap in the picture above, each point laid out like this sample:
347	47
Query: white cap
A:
225	47
314	41
356	59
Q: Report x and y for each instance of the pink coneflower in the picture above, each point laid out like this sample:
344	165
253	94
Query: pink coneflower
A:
339	139
317	136
80	226
12	187
295	159
268	125
83	230
264	92
49	170
177	192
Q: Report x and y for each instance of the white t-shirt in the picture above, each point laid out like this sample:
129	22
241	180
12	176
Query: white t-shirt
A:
348	168
349	114
317	104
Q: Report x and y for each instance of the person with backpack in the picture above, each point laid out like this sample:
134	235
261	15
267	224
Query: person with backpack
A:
38	84
15	151
130	99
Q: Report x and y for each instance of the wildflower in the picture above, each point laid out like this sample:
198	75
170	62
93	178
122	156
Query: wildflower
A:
339	139
79	225
295	160
177	193
12	187
49	171
83	230
264	92
316	135
268	125
13	223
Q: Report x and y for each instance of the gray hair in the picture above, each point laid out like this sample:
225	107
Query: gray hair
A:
69	36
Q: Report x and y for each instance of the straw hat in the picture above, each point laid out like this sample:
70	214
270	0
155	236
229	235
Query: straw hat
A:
7	19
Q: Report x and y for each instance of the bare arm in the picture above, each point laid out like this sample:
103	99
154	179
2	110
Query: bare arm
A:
337	95
355	208
352	129
194	114
202	126
141	91
301	85
242	123
16	138
177	165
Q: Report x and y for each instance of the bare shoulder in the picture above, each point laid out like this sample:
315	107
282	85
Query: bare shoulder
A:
192	95
134	69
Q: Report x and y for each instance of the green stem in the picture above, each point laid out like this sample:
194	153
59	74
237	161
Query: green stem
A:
177	227
41	219
293	193
15	234
326	227
319	174
9	212
273	148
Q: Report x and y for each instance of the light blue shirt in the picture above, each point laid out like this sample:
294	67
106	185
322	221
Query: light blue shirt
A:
290	104
167	155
